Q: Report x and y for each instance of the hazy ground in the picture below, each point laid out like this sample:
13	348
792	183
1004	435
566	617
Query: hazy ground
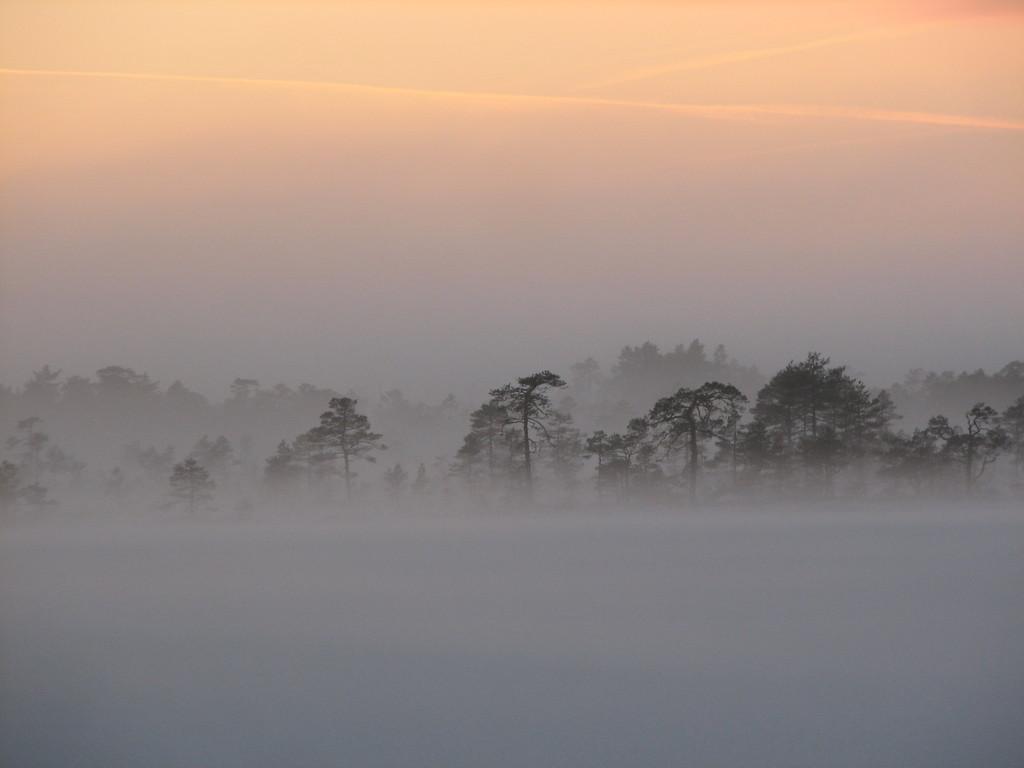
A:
756	639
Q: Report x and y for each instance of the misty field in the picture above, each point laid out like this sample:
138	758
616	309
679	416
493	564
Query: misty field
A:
815	638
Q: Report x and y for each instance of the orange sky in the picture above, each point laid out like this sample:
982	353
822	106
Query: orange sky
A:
329	159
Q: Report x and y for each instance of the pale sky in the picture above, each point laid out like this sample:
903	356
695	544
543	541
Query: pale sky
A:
440	196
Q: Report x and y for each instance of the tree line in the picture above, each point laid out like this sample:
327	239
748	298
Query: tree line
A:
812	430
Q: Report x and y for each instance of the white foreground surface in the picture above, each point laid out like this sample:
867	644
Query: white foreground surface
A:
756	639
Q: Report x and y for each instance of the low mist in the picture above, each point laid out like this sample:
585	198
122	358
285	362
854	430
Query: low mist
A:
884	637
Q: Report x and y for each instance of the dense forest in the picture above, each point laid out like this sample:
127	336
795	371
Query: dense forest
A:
677	428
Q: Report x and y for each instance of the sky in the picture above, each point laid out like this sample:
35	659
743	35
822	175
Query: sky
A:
440	196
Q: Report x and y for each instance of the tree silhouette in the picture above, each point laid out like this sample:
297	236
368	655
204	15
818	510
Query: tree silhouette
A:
395	479
487	424
598	446
419	485
621	454
215	455
282	469
1013	423
915	458
9	486
976	445
860	417
823	454
191	484
529	407
348	433
468	458
565	449
312	450
756	449
797	399
31	441
691	416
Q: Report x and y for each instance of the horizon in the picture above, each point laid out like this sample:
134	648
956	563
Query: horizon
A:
608	369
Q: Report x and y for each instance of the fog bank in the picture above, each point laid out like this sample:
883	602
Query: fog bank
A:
882	637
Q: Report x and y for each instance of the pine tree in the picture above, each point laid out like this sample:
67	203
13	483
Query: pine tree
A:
565	449
798	399
975	445
282	469
348	433
621	454
31	442
9	486
395	479
191	484
1013	423
469	459
756	450
487	425
598	446
419	485
690	417
915	458
313	452
215	455
529	408
823	454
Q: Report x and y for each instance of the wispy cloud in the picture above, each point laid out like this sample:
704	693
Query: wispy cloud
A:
736	57
706	111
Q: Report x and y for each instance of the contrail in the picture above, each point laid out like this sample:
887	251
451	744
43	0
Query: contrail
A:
251	81
734	57
884	116
838	143
709	111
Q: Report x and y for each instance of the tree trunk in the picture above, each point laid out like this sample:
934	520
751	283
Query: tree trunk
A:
693	463
735	456
527	466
